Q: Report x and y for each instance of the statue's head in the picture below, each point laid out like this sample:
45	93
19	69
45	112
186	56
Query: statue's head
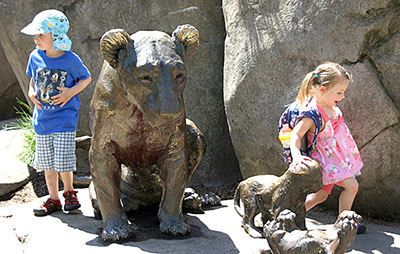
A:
149	67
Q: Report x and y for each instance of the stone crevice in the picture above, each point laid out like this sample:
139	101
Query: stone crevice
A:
381	78
396	125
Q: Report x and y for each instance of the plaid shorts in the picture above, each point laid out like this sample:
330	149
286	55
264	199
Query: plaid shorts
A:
55	151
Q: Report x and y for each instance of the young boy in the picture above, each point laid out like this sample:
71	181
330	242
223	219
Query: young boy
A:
57	76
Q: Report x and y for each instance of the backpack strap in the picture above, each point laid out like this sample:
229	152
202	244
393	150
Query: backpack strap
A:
316	116
334	122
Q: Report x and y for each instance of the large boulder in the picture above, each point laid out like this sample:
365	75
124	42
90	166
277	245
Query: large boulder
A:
90	19
271	45
9	89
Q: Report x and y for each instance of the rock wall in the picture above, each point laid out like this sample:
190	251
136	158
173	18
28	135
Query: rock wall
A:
90	19
9	89
271	45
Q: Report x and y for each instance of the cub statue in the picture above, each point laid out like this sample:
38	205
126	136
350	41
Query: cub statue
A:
270	194
143	149
284	237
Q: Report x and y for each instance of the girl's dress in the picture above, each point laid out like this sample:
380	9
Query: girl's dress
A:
336	149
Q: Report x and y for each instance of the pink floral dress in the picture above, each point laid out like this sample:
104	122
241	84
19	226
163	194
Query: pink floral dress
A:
336	149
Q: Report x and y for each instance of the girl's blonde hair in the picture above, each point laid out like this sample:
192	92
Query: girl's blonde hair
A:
326	75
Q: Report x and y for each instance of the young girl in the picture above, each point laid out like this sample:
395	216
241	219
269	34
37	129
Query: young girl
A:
335	148
57	77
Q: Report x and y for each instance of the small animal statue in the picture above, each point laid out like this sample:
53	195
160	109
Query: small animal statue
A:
270	194
285	238
143	149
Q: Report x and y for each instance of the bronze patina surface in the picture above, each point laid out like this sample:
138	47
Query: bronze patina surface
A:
143	149
270	194
284	237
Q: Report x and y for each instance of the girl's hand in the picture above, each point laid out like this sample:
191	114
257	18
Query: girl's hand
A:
33	96
301	161
63	97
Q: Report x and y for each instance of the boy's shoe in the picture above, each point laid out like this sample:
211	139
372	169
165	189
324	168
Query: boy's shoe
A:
48	207
361	229
71	201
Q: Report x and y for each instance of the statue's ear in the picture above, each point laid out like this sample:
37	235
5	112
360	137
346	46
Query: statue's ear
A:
186	39
111	43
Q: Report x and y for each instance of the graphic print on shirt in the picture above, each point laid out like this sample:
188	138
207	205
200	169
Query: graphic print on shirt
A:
46	83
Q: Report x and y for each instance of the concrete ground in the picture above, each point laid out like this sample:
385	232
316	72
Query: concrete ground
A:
216	231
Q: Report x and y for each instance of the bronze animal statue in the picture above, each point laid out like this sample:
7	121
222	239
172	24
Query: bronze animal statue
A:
143	149
284	237
270	194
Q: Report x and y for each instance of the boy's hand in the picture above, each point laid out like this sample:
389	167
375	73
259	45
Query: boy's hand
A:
63	97
33	96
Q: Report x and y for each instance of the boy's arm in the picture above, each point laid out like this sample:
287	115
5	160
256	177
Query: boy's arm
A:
298	132
33	95
67	93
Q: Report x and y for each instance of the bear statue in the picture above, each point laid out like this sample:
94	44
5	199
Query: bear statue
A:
143	148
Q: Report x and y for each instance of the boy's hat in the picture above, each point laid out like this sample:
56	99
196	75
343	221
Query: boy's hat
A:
53	21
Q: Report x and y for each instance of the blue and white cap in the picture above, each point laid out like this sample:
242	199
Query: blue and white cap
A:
53	21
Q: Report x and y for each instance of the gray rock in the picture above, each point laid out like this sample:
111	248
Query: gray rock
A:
14	173
269	48
9	89
90	19
82	155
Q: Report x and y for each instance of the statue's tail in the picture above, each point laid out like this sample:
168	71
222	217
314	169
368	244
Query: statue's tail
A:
236	200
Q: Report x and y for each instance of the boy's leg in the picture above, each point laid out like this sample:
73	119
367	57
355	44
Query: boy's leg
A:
65	158
44	160
67	178
65	163
315	199
52	183
347	196
71	200
53	203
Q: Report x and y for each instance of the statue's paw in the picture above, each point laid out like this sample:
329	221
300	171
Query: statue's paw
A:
347	222
265	251
210	199
192	202
117	231
253	231
174	227
286	217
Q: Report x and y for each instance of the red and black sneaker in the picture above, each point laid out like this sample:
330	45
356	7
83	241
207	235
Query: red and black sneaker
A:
48	207
71	201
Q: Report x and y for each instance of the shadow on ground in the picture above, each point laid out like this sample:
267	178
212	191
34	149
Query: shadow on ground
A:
148	238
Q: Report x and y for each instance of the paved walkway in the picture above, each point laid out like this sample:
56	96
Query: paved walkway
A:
216	231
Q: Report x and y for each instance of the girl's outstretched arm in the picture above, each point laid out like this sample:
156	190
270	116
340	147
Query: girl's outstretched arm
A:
302	127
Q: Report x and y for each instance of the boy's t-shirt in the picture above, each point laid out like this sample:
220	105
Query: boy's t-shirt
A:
48	74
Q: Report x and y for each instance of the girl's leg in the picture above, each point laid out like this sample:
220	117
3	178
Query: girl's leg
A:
315	199
52	183
67	178
347	196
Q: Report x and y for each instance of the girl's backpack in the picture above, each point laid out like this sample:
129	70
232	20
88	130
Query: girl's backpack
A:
293	113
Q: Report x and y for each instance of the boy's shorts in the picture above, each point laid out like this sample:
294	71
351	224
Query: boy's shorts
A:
55	151
328	188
